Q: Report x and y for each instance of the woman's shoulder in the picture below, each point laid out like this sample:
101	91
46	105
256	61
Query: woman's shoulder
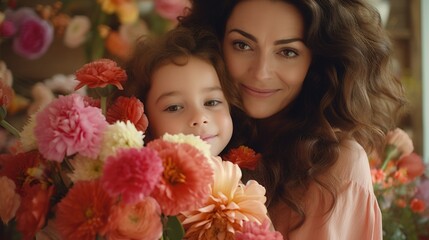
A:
353	164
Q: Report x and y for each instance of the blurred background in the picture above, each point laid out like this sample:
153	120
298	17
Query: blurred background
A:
73	32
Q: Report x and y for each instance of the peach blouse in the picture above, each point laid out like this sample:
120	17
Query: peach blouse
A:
356	215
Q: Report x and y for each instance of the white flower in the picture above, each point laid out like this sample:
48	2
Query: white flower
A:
193	140
27	138
85	168
76	31
120	135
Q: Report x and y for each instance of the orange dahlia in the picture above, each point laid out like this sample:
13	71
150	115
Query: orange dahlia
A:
230	204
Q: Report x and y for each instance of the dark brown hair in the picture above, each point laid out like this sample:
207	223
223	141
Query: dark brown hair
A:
176	46
350	92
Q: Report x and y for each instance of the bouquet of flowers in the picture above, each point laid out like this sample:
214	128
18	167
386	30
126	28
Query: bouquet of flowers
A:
81	170
401	187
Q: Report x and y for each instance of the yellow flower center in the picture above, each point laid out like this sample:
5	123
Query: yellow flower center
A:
172	173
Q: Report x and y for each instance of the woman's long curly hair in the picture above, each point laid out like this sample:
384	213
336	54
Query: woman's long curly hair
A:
350	92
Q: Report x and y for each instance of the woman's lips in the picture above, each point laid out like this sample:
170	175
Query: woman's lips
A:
258	92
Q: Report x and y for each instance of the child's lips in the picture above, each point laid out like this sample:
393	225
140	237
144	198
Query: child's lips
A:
207	137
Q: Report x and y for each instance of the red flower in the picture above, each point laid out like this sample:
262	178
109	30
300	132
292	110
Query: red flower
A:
85	212
130	109
417	205
6	94
15	166
31	214
100	73
244	157
413	164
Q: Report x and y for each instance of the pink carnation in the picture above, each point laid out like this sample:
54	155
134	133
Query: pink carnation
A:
132	173
256	231
34	37
185	183
68	126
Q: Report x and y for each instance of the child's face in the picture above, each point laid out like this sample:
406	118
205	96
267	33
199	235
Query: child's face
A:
189	99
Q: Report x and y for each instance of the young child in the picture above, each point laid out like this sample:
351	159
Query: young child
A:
181	79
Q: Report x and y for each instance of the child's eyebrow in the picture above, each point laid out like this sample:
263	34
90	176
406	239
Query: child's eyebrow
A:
176	93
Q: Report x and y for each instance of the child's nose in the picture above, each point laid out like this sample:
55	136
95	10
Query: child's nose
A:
198	119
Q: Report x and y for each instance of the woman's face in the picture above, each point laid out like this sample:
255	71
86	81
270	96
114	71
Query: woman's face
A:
265	54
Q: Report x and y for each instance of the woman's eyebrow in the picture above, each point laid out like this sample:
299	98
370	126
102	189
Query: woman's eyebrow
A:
253	38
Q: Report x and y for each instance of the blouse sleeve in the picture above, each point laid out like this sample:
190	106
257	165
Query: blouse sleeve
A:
356	214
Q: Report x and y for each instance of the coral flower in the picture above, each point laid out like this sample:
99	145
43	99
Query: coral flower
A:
100	73
118	46
186	178
230	204
243	156
31	214
255	231
85	212
132	173
140	221
130	109
417	205
9	199
66	126
414	165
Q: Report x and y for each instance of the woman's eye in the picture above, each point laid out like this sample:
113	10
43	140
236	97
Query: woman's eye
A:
288	53
173	108
241	45
212	103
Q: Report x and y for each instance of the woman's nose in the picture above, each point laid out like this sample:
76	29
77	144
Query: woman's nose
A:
262	66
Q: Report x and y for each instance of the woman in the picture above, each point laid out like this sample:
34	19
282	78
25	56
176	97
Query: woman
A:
316	85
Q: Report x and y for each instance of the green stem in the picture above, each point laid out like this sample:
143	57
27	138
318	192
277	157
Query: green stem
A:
10	128
391	152
103	104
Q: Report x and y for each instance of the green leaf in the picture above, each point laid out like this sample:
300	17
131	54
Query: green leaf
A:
173	230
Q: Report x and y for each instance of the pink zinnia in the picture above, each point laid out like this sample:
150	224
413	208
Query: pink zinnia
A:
185	183
132	173
85	212
100	73
256	231
66	126
130	109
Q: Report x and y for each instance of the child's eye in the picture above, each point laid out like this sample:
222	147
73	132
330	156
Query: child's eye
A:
241	45
212	103
173	108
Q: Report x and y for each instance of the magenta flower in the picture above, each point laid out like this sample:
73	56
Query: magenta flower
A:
34	38
68	126
256	231
132	173
7	29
